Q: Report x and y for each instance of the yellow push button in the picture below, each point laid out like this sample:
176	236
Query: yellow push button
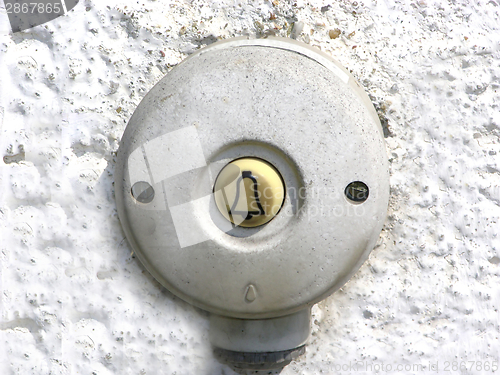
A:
249	192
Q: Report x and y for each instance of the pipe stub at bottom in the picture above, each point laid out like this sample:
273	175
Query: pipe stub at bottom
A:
258	360
260	343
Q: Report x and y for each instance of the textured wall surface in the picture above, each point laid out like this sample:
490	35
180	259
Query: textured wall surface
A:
74	300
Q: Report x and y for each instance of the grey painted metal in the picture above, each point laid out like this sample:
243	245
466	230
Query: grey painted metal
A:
284	102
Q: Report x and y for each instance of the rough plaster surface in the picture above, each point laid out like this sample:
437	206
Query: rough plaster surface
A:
75	300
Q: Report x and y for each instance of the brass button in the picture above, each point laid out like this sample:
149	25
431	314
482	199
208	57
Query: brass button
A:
249	192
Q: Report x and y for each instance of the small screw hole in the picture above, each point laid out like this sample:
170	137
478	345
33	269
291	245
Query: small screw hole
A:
357	192
142	192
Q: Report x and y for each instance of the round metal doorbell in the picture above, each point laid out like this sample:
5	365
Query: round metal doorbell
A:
252	181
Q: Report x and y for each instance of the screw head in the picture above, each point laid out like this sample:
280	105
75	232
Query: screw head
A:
357	192
142	192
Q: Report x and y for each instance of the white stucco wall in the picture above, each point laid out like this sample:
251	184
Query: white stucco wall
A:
74	300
